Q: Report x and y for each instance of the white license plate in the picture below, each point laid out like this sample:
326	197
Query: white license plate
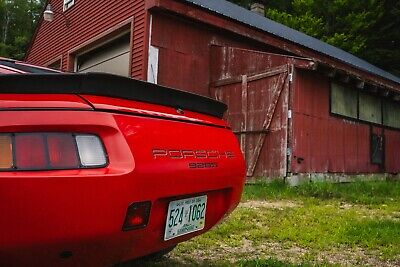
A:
185	216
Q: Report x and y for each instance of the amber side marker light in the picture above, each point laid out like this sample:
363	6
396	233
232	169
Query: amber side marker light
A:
137	216
50	151
6	153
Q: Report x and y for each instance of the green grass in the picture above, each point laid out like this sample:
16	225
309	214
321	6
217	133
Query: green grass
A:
275	263
324	223
378	192
312	227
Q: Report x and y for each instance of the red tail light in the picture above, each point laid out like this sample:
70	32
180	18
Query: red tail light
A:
62	151
137	216
48	151
30	151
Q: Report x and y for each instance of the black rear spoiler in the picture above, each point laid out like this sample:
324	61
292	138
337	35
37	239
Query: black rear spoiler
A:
103	84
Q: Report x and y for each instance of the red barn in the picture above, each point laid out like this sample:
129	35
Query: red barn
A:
300	107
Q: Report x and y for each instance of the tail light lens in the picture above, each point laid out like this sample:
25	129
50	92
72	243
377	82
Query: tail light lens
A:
62	151
6	154
48	151
30	151
90	150
137	216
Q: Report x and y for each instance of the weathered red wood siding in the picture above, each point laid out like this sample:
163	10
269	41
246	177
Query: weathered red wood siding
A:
323	143
392	155
89	19
184	51
233	62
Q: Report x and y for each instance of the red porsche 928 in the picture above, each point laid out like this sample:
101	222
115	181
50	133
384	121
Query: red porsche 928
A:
97	169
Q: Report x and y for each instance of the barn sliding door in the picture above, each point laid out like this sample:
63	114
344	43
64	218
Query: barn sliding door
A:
255	86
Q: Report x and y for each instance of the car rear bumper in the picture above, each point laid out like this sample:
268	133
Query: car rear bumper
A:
87	230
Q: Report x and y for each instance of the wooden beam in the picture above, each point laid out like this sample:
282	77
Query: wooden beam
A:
252	77
281	85
360	84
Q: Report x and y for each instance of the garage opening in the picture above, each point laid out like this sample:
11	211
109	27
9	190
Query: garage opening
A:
112	57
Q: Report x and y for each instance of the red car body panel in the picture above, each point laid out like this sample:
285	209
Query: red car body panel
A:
39	101
47	215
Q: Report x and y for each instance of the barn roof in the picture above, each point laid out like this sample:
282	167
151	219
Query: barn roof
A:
253	19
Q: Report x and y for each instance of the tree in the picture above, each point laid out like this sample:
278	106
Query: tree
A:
383	44
17	19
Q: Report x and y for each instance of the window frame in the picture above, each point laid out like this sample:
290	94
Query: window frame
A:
67	4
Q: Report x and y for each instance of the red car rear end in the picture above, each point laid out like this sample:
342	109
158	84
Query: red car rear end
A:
165	172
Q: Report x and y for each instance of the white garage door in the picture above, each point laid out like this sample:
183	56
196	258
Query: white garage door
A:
112	57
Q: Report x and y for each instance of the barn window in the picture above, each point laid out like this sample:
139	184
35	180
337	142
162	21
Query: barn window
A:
370	108
68	4
391	114
344	101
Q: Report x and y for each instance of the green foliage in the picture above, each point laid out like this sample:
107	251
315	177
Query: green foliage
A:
306	23
384	41
17	23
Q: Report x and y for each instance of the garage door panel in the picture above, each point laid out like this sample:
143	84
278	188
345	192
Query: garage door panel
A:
113	57
116	65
